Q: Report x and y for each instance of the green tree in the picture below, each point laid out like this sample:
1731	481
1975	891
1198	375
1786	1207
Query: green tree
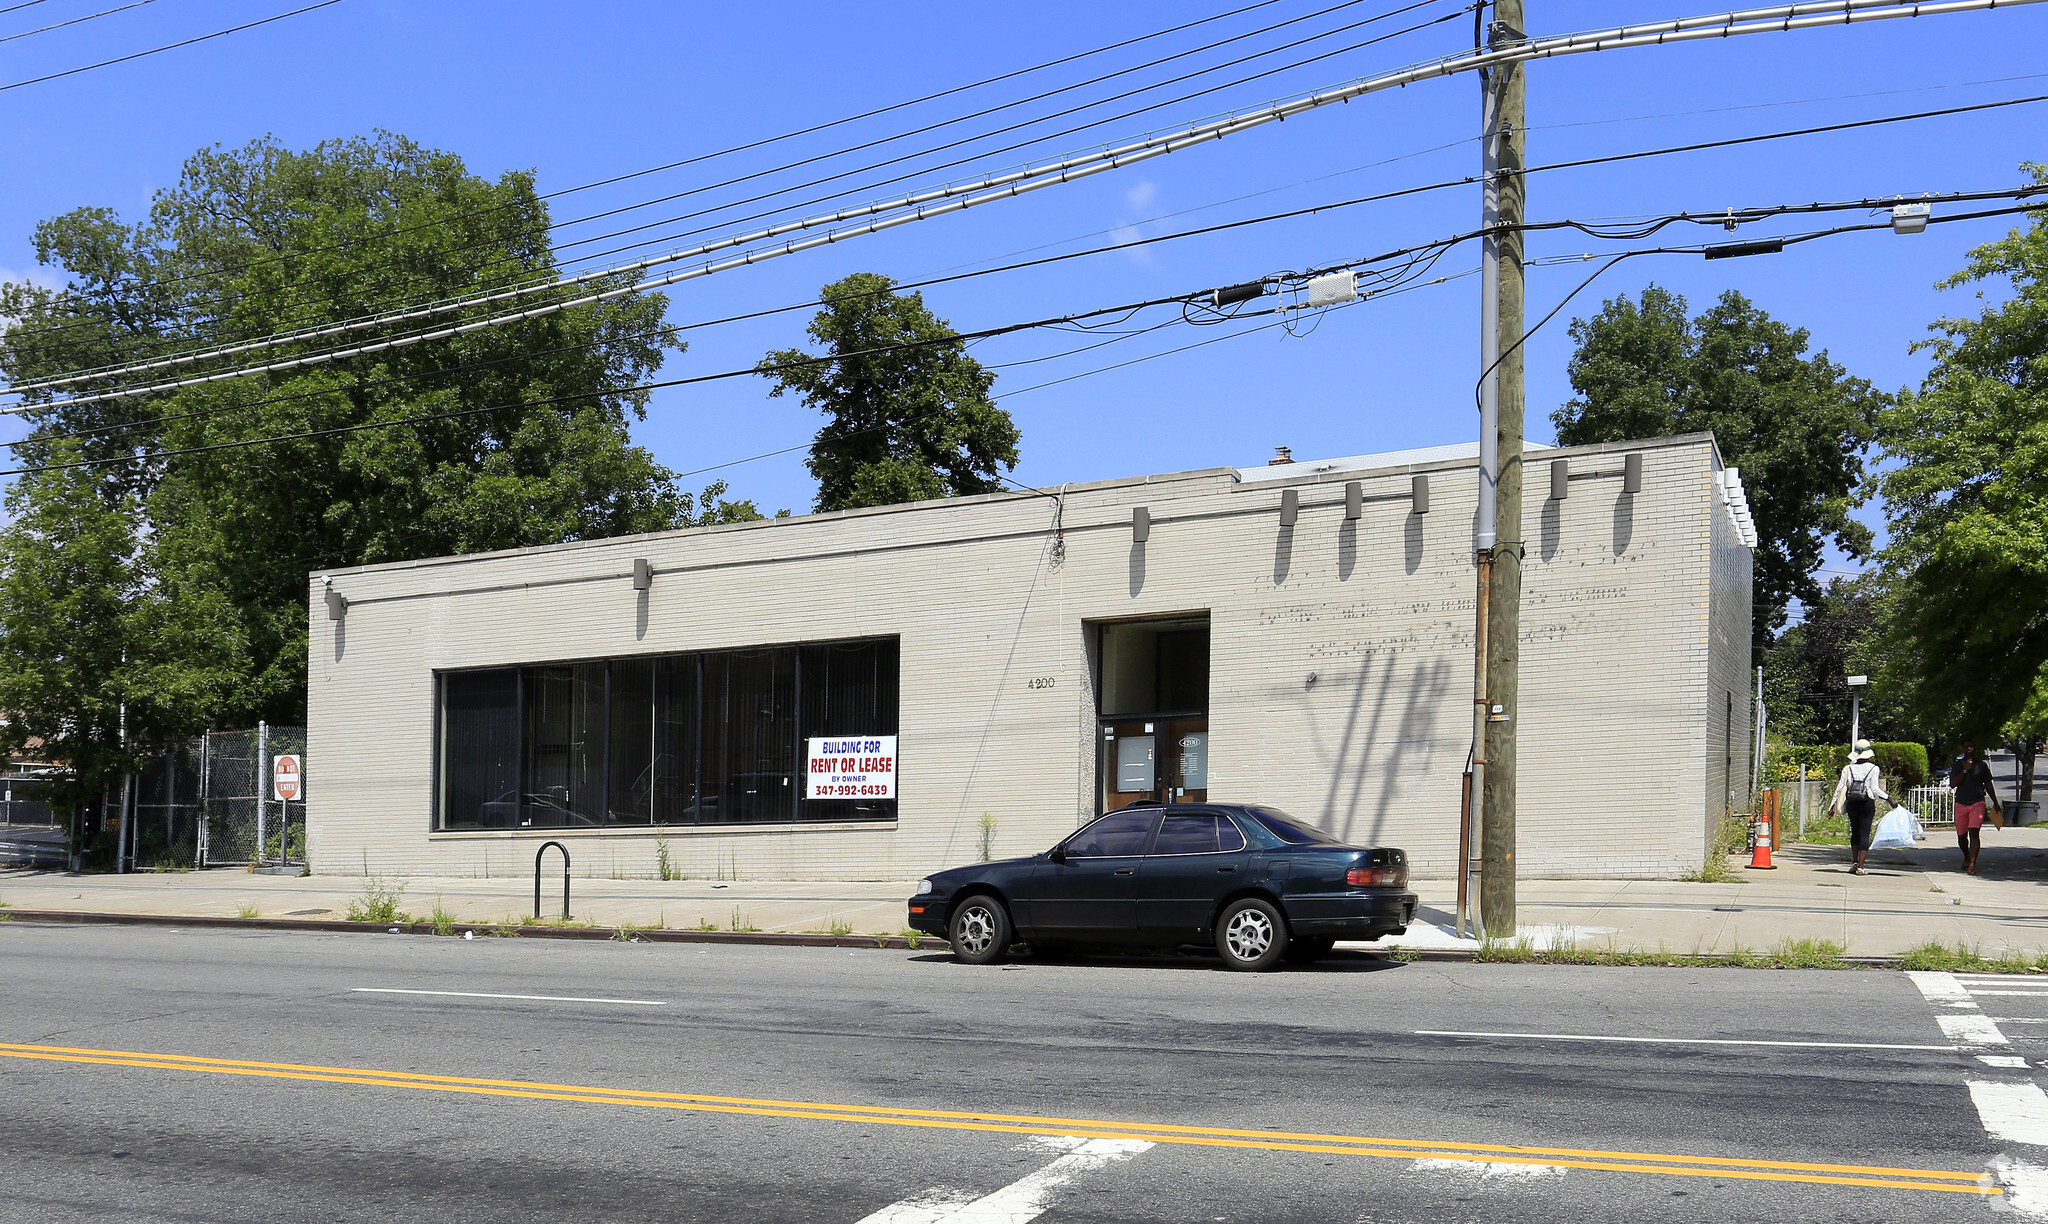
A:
1796	426
1806	670
250	243
1967	502
910	419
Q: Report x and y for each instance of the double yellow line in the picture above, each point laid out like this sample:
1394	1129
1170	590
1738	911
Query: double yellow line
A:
1949	1180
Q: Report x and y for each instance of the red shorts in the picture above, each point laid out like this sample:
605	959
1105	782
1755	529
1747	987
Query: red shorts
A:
1969	816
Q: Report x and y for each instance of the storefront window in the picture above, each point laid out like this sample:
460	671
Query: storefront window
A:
1154	705
710	738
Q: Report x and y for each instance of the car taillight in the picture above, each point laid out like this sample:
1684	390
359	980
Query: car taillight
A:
1376	877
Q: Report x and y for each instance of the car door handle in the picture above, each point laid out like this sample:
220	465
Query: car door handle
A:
1125	870
1226	870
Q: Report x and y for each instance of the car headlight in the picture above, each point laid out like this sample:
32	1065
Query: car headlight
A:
924	886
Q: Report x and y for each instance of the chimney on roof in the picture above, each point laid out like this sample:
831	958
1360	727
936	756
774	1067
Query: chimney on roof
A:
1281	455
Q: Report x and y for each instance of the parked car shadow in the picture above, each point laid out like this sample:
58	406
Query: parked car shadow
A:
1339	960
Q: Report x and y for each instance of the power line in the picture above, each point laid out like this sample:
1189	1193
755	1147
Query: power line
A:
539	285
403	341
122	59
951	338
24	4
740	148
75	20
957	197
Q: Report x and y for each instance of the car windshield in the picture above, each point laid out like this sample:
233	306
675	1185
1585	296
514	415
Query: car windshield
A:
1292	829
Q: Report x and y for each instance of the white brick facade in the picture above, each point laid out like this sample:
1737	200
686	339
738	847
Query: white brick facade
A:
1634	623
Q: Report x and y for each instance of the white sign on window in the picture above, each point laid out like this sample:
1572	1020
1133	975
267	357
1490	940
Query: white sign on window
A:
853	767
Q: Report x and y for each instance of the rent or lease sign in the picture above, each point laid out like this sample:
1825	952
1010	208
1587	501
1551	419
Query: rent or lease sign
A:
853	767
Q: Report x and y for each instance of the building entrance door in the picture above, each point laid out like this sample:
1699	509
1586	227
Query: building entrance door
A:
1164	759
1153	703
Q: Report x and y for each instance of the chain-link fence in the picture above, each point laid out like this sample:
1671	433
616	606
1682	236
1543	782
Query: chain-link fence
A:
23	798
241	822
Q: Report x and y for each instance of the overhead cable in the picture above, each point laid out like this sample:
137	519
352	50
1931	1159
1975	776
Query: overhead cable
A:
923	206
420	337
542	284
122	59
767	368
75	20
468	214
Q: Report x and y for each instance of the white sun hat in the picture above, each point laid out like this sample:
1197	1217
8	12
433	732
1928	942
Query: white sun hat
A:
1862	751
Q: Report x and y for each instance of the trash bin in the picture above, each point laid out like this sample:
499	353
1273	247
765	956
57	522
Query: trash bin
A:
2023	812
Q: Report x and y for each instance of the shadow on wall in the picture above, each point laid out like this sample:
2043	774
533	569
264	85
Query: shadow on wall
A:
1283	555
1137	569
1624	521
1355	782
340	638
1549	528
1347	549
1411	541
639	614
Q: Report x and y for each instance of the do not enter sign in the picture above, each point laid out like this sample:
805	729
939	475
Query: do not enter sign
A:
287	778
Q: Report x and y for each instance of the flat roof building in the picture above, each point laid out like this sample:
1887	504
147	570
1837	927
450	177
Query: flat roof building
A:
878	693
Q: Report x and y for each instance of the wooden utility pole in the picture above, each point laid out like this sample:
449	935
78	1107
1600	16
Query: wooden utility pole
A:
1502	620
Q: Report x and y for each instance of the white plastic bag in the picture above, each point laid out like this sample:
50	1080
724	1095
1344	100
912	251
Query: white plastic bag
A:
1894	831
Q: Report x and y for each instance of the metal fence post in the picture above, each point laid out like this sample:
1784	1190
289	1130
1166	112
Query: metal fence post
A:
262	800
1802	802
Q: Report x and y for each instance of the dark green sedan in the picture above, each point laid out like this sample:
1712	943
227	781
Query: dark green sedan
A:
1263	886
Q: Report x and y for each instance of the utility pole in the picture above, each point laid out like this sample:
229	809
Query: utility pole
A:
1500	459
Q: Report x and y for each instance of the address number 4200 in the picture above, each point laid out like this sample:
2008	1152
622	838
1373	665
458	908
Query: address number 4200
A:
1040	682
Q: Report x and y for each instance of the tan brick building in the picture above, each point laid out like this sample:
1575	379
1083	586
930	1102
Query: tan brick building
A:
1010	665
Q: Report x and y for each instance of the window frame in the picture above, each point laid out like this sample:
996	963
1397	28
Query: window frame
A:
694	660
1243	843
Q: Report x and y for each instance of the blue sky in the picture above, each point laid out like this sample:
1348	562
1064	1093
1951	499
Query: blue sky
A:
582	91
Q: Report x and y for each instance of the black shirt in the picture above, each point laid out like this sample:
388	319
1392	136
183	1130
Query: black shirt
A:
1970	778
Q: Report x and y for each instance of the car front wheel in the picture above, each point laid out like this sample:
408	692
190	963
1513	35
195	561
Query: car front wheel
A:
980	931
1251	935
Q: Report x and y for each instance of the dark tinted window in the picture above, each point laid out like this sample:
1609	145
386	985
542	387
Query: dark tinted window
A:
1292	830
1116	833
1199	834
480	750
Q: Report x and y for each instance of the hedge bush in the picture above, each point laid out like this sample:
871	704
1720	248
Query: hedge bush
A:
1905	762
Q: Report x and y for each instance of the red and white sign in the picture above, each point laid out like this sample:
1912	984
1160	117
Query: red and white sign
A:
287	778
852	767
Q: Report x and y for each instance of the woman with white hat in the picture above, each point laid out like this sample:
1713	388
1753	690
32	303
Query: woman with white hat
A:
1856	793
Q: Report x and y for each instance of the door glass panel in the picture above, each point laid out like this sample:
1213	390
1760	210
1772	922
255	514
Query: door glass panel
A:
564	742
1134	770
1114	835
480	750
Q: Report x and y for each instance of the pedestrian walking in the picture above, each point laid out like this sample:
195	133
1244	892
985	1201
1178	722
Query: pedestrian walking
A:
1856	794
1972	779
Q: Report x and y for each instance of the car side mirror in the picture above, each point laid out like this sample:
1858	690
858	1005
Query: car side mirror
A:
1058	855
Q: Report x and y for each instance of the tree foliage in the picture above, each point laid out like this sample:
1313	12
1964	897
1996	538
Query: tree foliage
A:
1806	670
209	596
1797	426
909	419
1968	502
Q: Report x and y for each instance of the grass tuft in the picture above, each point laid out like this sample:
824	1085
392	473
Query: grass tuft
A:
1788	954
740	924
444	922
246	910
378	902
1939	957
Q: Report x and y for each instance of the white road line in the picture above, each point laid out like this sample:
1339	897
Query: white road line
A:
472	994
2013	1111
1717	1041
1022	1200
2024	994
1940	988
1971	1030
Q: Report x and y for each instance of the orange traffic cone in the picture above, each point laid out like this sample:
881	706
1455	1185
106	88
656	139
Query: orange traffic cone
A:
1760	855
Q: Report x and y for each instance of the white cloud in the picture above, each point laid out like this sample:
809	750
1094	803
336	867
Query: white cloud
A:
1141	195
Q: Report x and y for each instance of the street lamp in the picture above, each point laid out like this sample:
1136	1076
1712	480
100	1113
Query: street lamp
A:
1856	686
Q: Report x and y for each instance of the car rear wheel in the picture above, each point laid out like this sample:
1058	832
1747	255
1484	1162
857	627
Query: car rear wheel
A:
1251	935
1308	951
980	933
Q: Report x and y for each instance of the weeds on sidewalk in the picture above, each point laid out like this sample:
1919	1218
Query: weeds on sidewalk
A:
1829	831
664	864
705	924
378	902
740	925
444	922
245	911
913	937
1788	954
1728	839
1966	958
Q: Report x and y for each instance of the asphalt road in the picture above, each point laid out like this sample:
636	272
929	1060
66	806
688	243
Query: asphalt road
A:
167	1075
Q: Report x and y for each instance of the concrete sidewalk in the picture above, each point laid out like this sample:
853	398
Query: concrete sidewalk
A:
1909	898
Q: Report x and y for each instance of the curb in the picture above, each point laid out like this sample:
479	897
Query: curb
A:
482	930
876	943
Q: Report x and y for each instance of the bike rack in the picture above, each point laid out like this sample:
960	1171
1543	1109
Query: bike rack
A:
540	854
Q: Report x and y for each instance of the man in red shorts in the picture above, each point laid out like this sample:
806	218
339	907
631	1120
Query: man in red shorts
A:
1972	779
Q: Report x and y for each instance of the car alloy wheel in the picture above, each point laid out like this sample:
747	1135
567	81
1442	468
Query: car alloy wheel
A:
980	933
1252	935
